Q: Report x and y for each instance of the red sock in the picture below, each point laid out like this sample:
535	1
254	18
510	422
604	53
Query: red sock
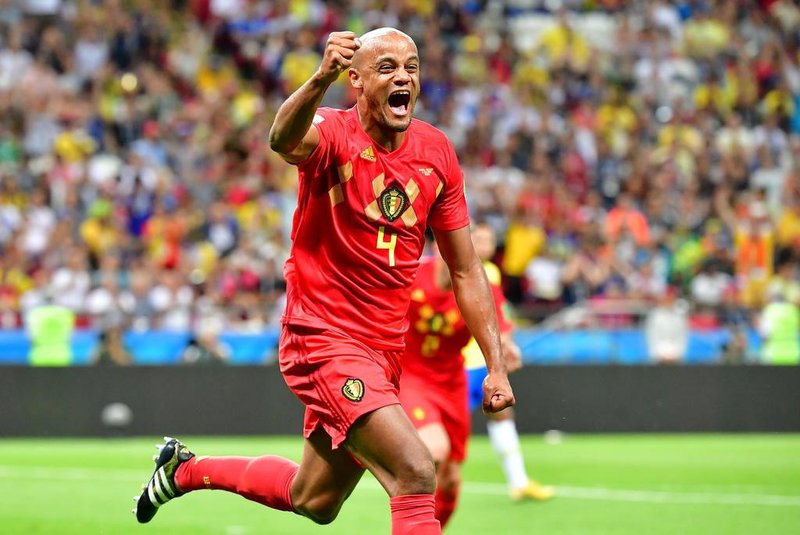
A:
446	501
413	514
266	480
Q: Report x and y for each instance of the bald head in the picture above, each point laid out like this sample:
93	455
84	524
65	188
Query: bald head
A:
374	39
385	73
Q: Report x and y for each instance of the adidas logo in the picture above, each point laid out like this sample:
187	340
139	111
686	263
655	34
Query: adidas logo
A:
368	154
426	170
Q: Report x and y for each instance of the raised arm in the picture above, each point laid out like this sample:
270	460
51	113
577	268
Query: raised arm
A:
475	300
293	135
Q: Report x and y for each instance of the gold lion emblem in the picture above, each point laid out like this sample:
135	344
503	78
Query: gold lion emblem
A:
353	389
393	202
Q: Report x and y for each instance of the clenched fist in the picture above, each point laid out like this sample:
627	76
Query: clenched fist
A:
497	394
338	56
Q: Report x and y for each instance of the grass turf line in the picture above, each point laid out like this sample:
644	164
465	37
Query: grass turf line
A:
614	484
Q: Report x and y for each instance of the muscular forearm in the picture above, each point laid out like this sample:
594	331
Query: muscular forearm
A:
291	134
475	300
295	115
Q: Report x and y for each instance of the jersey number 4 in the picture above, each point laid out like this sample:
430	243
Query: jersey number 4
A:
389	244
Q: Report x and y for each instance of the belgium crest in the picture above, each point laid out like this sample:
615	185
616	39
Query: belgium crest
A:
393	202
353	389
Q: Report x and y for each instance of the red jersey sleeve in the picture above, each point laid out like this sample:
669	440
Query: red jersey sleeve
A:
450	210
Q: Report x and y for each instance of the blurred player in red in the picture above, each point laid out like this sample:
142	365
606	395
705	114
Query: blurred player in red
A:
433	388
371	180
501	426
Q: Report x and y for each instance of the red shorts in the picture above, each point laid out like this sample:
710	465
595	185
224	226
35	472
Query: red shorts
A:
426	404
337	378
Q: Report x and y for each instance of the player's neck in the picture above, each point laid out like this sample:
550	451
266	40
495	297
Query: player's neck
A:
389	139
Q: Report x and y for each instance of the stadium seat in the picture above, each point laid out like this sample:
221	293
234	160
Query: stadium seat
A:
14	347
705	347
252	348
156	347
84	343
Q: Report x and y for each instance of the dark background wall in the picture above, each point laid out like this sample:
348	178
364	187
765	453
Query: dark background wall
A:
254	400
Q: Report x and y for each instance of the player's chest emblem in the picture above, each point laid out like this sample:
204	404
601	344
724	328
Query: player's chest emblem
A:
393	202
388	199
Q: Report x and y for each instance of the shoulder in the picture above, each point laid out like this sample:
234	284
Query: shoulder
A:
433	142
330	115
334	119
428	132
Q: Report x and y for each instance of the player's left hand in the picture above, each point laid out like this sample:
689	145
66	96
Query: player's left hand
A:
497	394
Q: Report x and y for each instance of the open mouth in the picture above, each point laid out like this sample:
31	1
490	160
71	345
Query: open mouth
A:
399	102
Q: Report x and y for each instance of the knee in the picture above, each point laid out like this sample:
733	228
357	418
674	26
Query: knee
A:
417	476
320	509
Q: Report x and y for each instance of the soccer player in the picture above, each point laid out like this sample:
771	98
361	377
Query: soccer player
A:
502	429
371	179
433	387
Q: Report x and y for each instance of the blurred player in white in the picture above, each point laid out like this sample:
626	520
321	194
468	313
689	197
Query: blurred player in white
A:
501	426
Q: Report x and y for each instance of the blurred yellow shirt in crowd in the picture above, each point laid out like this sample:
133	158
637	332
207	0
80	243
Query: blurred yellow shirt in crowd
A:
98	235
74	145
705	38
685	135
298	66
788	228
563	43
245	106
780	102
212	78
523	243
720	97
473	356
17	279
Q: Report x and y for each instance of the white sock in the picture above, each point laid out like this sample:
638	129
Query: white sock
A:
505	441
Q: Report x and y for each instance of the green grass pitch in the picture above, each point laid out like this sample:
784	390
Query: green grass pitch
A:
607	484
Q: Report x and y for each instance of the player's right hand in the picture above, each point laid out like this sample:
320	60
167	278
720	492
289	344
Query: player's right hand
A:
338	56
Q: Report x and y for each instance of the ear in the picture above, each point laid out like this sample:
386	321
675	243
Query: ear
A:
355	78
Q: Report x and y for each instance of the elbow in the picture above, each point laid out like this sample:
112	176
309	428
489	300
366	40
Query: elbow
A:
276	143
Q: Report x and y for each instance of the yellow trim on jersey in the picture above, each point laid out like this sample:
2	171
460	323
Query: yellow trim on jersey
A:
473	356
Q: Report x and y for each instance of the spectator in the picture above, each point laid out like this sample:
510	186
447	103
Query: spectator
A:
709	285
172	301
50	329
72	282
779	325
135	302
667	329
625	218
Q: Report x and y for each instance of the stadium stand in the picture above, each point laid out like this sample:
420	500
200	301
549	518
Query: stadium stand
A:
620	149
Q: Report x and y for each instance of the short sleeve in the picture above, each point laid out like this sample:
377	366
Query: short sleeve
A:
330	126
503	322
450	209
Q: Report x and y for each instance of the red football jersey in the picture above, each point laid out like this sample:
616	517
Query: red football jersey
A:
437	333
359	228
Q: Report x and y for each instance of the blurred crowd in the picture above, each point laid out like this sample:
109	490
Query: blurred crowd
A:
624	151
